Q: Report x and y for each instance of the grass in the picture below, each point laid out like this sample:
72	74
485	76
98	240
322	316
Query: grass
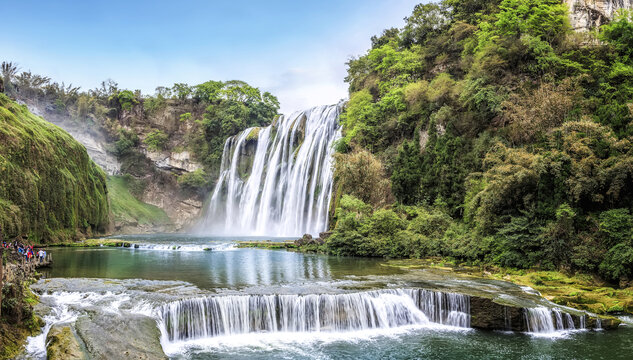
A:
267	244
96	243
127	208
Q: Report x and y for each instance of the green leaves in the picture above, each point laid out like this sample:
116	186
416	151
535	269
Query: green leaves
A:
546	19
156	140
407	173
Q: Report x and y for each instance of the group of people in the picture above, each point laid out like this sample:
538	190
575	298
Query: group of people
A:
26	250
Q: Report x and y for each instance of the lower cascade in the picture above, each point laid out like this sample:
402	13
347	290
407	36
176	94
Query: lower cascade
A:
276	180
231	315
544	320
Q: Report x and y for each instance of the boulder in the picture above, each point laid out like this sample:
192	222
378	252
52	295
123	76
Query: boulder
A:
112	336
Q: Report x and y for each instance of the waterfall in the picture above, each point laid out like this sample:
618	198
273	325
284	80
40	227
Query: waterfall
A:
444	308
276	180
547	321
231	315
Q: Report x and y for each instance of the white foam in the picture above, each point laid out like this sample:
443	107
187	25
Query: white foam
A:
185	247
65	308
294	341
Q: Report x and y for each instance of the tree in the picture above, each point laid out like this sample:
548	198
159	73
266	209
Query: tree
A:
362	175
182	91
9	71
426	21
407	172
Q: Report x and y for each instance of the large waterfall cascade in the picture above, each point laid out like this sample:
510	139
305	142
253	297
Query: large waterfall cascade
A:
277	180
382	309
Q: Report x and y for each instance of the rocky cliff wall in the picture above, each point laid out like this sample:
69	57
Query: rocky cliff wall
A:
587	14
157	171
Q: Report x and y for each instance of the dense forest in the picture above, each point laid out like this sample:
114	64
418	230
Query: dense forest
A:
490	132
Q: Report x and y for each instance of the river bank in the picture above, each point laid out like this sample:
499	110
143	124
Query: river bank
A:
18	320
579	291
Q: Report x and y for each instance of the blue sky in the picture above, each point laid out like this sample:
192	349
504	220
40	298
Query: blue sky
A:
295	49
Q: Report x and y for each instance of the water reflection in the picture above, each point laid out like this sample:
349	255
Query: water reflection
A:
208	269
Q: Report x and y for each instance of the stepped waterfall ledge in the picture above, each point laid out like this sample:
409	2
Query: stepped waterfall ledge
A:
382	309
277	180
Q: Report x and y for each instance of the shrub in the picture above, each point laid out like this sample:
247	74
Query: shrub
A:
127	140
618	263
361	175
156	140
127	99
185	117
193	180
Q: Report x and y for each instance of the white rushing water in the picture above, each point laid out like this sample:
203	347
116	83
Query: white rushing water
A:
276	181
65	308
184	247
542	321
202	318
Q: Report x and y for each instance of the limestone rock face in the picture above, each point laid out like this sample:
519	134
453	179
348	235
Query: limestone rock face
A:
587	14
86	133
178	162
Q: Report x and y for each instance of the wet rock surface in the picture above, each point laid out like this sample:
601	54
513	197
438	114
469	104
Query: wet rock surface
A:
62	344
111	336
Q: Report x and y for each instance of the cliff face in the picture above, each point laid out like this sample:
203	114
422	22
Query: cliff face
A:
588	14
88	133
50	189
155	172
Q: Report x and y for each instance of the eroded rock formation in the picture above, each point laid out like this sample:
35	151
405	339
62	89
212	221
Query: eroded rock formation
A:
588	14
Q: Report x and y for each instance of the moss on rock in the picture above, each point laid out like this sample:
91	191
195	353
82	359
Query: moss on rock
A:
50	190
62	344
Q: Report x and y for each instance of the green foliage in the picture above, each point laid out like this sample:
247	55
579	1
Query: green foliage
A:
182	91
185	117
616	226
156	140
195	180
127	99
234	106
50	190
502	123
126	208
362	175
127	140
546	19
154	104
427	20
407	172
618	263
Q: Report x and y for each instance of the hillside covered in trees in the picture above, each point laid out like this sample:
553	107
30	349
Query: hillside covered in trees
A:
488	131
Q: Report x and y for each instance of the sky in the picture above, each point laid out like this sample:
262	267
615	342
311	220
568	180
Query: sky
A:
297	49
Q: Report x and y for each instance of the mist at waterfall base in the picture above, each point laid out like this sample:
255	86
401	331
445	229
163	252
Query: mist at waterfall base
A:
276	181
